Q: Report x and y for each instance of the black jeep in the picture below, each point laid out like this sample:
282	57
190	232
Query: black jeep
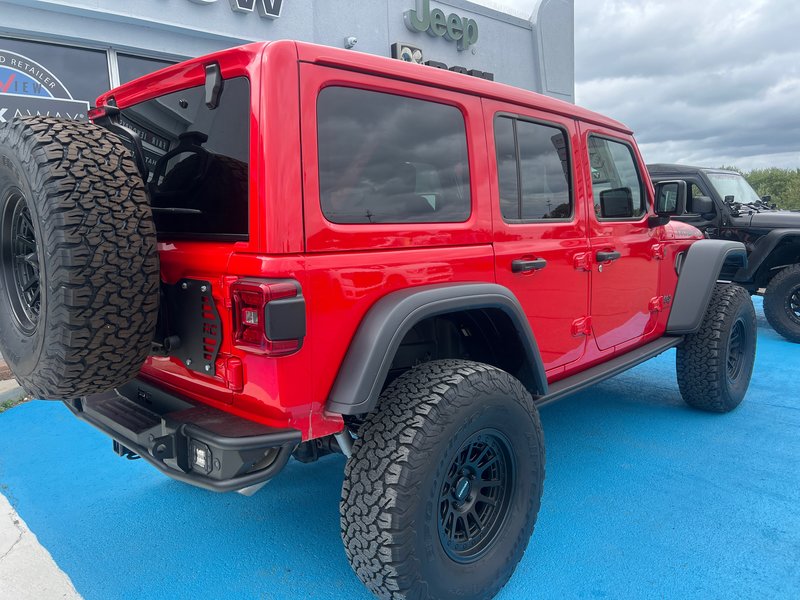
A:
723	205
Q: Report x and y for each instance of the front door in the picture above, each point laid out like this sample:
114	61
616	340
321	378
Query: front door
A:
539	224
624	248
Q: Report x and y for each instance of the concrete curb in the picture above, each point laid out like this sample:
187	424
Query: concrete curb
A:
27	571
10	390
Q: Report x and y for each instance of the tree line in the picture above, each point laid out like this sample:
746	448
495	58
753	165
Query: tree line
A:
782	184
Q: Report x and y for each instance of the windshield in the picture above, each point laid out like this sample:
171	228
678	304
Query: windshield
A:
733	184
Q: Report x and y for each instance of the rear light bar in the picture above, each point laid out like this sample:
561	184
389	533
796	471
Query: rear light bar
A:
269	316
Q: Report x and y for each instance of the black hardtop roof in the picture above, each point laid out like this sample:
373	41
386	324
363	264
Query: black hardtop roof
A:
676	169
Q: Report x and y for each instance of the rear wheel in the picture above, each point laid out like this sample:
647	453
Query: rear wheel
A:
782	303
714	364
442	490
79	273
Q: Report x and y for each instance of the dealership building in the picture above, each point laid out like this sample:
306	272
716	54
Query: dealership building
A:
57	56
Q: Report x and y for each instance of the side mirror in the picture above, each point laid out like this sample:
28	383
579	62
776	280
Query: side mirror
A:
703	205
671	197
767	199
616	203
670	201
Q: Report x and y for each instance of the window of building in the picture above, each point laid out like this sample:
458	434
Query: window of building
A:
42	78
391	159
533	170
616	183
133	67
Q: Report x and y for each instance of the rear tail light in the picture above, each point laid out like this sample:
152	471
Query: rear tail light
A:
268	316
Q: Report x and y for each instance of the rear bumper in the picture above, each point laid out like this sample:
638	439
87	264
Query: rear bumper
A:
190	442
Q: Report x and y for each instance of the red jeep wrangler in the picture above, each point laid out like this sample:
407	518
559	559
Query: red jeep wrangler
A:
291	250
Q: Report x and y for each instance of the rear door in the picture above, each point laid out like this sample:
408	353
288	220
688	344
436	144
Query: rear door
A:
624	248
539	224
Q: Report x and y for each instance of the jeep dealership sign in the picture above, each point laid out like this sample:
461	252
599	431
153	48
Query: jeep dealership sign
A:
457	29
269	9
28	88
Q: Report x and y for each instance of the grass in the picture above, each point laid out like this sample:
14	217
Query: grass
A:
12	402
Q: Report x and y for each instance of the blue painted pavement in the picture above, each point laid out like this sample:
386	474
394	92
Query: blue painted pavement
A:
643	498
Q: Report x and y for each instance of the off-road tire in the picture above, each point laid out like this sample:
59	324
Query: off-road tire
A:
395	482
714	364
782	303
74	192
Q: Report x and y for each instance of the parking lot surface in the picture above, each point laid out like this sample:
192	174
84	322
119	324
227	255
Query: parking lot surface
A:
643	498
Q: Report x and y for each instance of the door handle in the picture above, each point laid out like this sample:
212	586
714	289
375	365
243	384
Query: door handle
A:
607	256
526	266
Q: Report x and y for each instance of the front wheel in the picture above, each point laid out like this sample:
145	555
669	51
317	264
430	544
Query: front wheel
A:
782	303
442	490
714	364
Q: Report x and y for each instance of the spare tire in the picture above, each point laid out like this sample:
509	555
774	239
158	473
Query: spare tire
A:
79	272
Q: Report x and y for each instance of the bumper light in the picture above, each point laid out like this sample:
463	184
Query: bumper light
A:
200	457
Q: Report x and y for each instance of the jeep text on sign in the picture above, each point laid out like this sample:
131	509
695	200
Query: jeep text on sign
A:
462	30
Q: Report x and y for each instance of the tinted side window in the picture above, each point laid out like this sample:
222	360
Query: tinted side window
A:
533	170
391	159
616	185
505	141
694	192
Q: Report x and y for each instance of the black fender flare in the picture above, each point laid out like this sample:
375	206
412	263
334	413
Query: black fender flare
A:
373	347
699	273
762	250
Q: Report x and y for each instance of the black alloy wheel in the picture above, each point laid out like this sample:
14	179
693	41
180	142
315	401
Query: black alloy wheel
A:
20	262
475	495
782	303
736	350
793	305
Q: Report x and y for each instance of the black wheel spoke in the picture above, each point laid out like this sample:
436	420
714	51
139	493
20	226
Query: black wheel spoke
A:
492	483
33	260
486	499
32	282
25	241
463	520
488	465
482	455
450	519
473	513
26	219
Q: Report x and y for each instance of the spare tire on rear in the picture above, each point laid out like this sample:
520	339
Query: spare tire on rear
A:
79	272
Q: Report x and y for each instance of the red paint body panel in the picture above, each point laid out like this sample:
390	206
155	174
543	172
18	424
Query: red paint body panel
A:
344	270
558	294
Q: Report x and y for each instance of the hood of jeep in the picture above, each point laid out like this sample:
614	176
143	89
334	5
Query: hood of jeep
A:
776	219
677	230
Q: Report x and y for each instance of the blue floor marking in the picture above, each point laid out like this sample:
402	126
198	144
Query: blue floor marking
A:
643	498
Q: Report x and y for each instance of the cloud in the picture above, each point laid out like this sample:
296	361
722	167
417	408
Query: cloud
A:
711	83
705	81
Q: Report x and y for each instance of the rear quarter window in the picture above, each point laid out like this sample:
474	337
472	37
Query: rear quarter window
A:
198	159
391	159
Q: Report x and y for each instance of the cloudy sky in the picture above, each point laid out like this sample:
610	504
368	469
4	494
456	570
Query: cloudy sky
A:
709	82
